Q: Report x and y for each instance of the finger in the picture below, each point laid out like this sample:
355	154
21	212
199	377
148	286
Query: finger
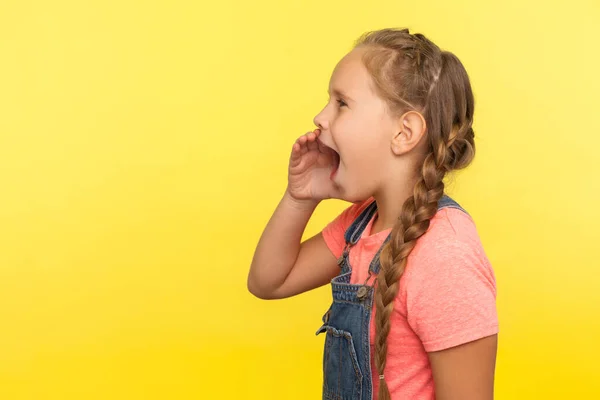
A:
301	142
299	147
322	147
296	155
304	150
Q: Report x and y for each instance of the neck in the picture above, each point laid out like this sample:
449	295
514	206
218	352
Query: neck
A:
389	204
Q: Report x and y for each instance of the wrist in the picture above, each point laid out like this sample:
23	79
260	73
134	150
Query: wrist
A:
300	204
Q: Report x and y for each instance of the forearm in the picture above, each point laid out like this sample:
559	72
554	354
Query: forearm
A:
279	245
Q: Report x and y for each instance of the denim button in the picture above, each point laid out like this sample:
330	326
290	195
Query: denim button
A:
362	292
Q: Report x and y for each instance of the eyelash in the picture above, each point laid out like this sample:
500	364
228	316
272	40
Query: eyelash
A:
341	103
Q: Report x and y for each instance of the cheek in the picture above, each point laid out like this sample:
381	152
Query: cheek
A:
367	160
359	138
339	127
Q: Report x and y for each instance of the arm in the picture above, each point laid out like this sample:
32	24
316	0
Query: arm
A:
283	266
465	372
451	302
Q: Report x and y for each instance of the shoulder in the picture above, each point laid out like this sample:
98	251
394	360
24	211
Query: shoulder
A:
449	288
451	233
448	252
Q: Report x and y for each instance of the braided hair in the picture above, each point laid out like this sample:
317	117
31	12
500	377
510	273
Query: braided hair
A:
413	74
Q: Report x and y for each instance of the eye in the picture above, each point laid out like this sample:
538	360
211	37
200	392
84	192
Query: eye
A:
341	103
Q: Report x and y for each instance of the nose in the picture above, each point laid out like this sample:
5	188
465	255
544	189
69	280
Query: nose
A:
320	121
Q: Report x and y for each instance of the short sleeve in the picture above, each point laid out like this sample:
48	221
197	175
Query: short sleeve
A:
451	294
335	231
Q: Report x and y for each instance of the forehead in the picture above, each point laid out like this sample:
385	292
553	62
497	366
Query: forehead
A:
350	75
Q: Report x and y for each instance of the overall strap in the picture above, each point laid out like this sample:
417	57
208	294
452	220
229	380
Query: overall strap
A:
444	202
358	226
447	202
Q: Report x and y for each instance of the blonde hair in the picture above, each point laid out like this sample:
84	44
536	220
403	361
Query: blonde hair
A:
412	74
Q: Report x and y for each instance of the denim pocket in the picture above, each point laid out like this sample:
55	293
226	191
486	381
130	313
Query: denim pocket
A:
342	377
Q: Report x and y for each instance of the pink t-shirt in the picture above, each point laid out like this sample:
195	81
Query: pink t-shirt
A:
447	295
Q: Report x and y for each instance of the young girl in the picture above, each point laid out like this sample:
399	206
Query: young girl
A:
413	313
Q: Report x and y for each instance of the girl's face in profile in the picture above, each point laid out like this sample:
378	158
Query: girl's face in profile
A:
356	124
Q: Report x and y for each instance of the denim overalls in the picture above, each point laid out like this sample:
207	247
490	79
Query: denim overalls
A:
346	359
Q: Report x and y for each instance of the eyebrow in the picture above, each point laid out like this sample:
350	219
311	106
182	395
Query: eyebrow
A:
341	94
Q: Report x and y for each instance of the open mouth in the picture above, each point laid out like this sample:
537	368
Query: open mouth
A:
335	163
334	159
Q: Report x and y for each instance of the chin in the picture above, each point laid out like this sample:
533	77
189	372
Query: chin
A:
353	195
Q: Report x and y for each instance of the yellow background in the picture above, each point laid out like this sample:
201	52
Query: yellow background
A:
143	146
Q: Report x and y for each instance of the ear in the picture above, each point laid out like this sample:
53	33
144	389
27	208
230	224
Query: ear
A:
411	129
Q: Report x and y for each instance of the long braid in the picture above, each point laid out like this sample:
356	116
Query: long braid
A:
414	220
436	84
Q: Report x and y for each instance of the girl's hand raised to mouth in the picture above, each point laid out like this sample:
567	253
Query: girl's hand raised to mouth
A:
311	167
